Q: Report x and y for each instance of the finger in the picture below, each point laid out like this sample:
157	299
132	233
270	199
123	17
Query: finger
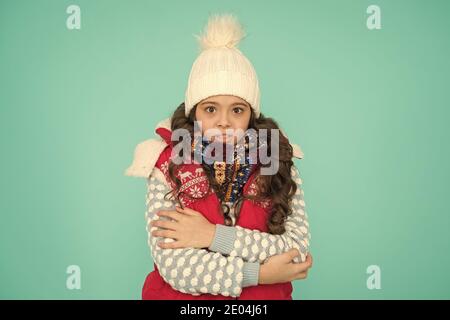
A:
164	234
303	266
169	245
187	211
302	275
310	259
170	214
166	224
292	253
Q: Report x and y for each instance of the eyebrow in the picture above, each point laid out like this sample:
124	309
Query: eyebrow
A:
233	104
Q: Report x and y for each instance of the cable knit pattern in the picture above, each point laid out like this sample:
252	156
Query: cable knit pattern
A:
256	246
189	270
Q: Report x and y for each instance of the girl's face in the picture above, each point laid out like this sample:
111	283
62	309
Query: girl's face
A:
223	112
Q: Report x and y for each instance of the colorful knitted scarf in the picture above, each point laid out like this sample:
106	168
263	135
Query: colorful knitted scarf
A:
231	175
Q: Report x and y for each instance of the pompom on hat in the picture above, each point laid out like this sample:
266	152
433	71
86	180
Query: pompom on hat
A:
221	68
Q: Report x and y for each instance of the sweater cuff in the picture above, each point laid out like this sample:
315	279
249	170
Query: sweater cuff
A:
224	238
250	274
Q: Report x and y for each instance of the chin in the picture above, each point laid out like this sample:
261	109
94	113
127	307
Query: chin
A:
222	139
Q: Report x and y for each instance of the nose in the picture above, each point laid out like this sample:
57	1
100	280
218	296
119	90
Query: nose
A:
223	122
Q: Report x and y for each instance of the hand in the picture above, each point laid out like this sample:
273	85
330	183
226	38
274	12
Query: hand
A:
280	268
189	228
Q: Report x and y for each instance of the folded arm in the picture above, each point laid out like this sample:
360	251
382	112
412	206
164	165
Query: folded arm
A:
257	246
190	270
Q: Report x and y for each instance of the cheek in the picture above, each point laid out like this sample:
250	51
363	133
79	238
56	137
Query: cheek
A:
207	122
242	122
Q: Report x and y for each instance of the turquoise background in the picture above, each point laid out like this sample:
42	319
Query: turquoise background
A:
369	108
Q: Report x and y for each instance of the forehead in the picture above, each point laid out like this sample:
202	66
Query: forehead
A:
224	100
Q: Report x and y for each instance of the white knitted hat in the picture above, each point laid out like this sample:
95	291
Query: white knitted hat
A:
221	68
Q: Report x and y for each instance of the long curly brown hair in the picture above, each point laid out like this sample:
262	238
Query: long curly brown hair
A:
279	188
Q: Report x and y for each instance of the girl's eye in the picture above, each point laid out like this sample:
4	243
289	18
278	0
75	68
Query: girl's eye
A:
238	110
210	109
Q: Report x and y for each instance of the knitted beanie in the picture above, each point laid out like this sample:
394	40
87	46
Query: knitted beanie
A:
221	68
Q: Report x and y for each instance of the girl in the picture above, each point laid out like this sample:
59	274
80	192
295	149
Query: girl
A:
221	229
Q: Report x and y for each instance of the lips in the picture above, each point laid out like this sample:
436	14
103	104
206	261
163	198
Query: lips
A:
226	136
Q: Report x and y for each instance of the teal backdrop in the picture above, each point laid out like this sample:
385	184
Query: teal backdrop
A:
369	108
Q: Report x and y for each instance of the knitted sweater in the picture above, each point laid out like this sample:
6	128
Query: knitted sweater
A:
233	260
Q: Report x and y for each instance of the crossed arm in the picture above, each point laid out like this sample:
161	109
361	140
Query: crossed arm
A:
237	252
256	246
